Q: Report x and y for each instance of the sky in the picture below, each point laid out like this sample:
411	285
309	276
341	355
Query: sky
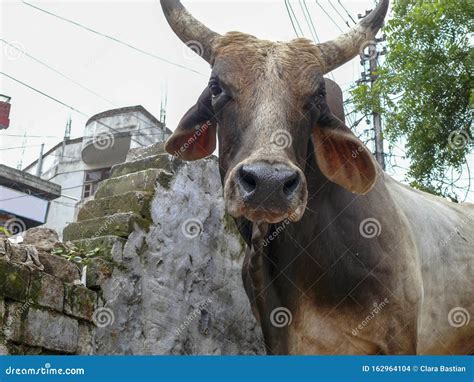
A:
119	76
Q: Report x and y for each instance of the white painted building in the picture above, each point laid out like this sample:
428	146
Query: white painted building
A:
79	164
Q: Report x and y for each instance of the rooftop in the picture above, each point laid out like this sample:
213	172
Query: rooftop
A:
27	183
127	109
52	149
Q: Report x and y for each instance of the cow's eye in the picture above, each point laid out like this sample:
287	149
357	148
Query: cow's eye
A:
310	105
215	89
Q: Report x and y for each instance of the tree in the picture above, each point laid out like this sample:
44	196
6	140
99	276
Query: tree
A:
424	89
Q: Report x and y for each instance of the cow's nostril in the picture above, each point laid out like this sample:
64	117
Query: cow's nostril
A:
247	180
291	184
270	185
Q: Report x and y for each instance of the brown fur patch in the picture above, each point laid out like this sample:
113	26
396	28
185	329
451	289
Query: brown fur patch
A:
296	57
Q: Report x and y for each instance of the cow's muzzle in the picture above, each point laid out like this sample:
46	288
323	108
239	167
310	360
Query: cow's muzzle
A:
266	192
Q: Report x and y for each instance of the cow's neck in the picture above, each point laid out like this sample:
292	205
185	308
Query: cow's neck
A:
329	232
294	255
323	263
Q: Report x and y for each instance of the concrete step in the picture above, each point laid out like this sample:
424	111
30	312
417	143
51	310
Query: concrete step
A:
138	181
133	201
141	152
120	224
163	161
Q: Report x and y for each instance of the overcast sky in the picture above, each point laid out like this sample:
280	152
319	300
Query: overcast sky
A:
119	75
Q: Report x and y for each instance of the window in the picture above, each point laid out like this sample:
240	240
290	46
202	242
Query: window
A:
87	191
92	179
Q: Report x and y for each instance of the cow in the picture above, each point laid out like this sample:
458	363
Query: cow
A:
341	258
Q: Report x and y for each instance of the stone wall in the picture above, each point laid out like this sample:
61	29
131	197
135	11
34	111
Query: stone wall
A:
164	260
43	307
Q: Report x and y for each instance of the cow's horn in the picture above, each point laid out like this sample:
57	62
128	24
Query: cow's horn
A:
345	47
192	32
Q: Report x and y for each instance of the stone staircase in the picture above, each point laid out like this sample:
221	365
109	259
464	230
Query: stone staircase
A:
164	260
122	201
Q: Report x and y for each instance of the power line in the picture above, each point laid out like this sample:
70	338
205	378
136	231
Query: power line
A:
15	148
291	19
310	23
113	39
31	136
290	11
316	35
63	104
20	159
57	71
61	137
36	195
44	94
342	18
67	77
336	24
347	12
309	20
39	194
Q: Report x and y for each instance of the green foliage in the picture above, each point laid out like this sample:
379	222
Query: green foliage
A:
77	255
425	88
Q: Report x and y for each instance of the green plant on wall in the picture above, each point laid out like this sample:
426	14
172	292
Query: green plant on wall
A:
77	255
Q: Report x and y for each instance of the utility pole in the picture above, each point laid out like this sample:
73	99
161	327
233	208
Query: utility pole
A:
379	154
23	143
371	77
67	135
39	164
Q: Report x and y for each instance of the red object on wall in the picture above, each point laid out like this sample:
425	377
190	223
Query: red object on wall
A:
4	112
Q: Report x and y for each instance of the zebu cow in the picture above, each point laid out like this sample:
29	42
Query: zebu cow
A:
356	262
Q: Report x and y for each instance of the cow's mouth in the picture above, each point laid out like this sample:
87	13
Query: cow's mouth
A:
272	217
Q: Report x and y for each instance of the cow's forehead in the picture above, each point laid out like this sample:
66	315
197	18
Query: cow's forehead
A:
245	59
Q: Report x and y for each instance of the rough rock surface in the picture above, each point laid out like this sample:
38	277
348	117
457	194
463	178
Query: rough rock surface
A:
177	288
41	237
41	312
161	262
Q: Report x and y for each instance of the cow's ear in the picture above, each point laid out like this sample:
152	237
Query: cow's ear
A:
342	157
195	136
